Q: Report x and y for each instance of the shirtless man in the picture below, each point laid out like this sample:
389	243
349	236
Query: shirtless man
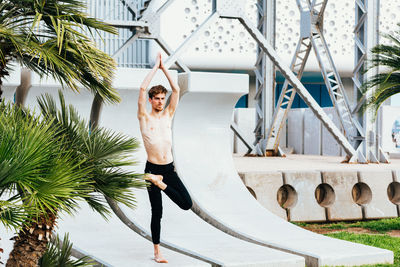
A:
157	138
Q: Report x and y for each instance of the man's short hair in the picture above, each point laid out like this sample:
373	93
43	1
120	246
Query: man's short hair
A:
158	89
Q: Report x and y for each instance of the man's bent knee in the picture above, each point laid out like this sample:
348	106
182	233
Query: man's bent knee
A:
187	205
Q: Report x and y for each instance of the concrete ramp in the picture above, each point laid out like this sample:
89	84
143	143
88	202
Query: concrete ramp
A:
203	157
183	231
190	240
111	243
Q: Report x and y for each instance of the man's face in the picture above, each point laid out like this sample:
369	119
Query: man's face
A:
158	102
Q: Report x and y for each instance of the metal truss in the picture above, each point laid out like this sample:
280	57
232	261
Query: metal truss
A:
136	7
264	75
234	9
287	96
147	26
260	73
311	36
366	37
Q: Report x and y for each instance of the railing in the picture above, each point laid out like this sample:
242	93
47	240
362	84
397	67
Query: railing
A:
137	55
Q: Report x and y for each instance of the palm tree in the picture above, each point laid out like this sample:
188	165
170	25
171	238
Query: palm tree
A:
386	83
32	166
48	37
79	163
59	253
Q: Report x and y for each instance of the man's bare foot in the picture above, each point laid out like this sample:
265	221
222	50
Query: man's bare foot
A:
156	180
160	259
157	254
153	178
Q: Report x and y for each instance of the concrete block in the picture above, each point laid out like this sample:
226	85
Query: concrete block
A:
394	190
245	120
211	82
312	134
295	130
306	208
329	145
264	187
372	194
343	208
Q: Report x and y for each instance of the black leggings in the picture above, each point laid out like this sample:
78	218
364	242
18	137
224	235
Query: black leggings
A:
175	190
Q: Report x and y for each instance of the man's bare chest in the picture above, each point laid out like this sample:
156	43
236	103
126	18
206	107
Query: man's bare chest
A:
157	128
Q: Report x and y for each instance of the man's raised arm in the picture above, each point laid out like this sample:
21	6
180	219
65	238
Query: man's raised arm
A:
143	88
173	103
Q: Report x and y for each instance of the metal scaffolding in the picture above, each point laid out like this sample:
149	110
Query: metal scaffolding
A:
264	75
234	10
366	36
147	26
312	37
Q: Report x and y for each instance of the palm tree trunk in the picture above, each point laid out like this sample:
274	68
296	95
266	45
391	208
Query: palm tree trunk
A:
31	242
3	73
1	252
95	112
22	90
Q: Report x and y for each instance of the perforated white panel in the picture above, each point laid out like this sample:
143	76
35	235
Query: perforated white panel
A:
390	16
227	45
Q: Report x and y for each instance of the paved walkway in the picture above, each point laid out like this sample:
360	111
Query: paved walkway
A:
305	162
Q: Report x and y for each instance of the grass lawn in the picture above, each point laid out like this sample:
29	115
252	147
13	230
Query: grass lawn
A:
382	226
378	234
380	241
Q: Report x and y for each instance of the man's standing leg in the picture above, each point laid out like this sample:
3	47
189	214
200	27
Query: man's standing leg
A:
156	215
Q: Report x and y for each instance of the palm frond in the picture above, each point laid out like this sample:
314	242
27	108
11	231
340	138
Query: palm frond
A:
14	215
59	254
35	166
61	48
382	86
106	155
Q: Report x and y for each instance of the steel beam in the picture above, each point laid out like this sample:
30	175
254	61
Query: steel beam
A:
265	76
147	27
234	9
366	36
300	89
311	35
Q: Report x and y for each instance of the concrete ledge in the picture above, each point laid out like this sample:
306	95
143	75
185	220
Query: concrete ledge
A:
304	206
265	186
372	194
343	208
125	78
394	193
326	195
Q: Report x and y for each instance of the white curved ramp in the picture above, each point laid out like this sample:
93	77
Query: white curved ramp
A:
203	158
111	243
184	231
115	244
